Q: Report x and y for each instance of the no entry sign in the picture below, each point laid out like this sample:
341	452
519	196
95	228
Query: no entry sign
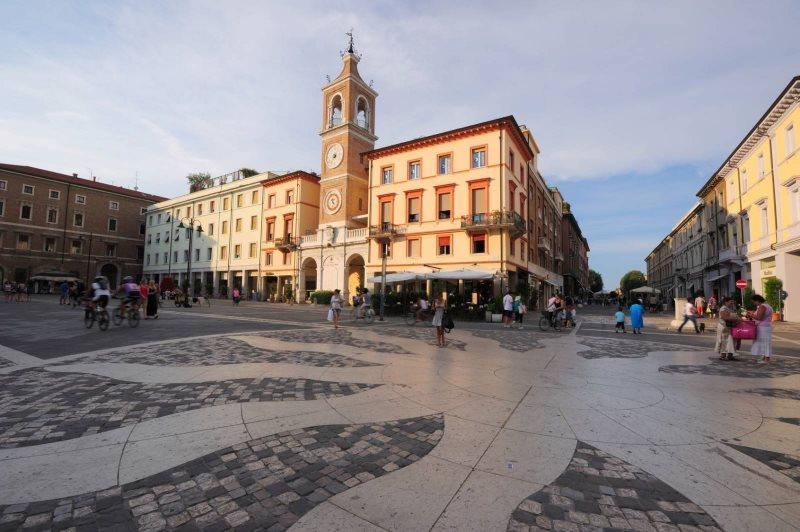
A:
741	283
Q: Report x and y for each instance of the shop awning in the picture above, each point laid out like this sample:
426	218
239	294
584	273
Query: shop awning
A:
398	277
55	276
646	290
718	276
463	274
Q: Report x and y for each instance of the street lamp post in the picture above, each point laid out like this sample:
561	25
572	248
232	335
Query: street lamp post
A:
89	259
189	225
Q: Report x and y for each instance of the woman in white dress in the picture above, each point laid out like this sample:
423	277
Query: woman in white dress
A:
336	307
438	317
762	346
725	318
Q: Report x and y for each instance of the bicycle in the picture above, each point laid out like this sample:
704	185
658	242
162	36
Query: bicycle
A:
550	319
100	316
412	318
131	313
368	317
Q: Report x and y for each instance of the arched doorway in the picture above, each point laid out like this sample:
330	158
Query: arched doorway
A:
308	278
355	273
110	272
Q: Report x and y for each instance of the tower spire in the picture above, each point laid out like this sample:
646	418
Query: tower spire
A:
350	49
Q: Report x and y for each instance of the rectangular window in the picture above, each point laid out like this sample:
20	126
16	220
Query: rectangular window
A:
197	254
2	207
237	251
790	140
166	257
743	180
75	247
271	230
178	214
413	247
188	212
199	209
761	170
143	210
210	229
54	194
271	201
147	260
479	157
479	203
23	241
794	202
52	216
185	255
413	170
386	249
764	221
158	237
50	244
212	206
113	205
112	224
268	259
254	197
111	250
414	208
479	243
386	214
175	257
140	253
444	245
240	200
444	205
284	257
224	227
386	176
159	219
25	212
209	253
238	226
445	164
142	229
80	199
27	189
150	239
225	204
511	160
3	184
253	223
252	251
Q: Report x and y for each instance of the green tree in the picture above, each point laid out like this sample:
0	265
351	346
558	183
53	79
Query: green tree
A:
595	281
199	181
248	172
632	279
772	292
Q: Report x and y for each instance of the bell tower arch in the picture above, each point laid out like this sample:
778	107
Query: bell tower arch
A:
348	130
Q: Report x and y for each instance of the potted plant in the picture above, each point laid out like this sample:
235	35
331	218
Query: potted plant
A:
772	293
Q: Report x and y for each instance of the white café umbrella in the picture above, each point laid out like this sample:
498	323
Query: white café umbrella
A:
398	277
646	290
463	274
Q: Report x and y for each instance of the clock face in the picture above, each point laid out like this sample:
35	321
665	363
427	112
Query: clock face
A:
333	157
333	201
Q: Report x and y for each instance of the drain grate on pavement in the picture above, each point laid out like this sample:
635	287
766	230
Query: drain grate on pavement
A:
783	463
598	491
218	350
263	484
38	406
747	367
333	336
619	348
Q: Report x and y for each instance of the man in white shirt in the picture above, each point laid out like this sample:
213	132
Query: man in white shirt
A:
689	314
508	309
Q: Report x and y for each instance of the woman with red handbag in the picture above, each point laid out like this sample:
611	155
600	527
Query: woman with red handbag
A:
726	320
762	346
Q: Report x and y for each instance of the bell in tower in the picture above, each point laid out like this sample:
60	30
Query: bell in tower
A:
348	130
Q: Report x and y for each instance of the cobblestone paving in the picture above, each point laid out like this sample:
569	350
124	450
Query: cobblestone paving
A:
333	336
747	367
424	334
512	339
38	406
777	393
219	350
619	348
5	363
783	463
263	484
600	492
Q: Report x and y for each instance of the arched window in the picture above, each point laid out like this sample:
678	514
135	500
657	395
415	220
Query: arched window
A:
362	113
335	112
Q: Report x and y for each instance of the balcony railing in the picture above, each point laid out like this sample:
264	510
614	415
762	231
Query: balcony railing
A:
384	231
494	220
287	243
309	239
355	234
544	244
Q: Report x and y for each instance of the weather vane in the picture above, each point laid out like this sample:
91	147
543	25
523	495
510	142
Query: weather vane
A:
350	46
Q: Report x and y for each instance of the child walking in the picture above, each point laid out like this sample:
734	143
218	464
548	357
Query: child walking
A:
619	316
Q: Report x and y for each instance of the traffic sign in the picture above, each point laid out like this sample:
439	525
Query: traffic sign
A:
741	283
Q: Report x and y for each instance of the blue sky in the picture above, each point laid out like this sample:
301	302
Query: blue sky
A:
632	103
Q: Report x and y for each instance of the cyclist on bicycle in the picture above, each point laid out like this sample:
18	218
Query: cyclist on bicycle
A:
98	294
366	302
131	293
422	307
554	307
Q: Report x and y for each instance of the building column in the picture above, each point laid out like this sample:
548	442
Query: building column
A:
215	282
279	287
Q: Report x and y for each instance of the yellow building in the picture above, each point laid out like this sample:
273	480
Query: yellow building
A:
753	206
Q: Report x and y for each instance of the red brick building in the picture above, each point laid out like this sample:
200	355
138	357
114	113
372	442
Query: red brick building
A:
56	225
575	267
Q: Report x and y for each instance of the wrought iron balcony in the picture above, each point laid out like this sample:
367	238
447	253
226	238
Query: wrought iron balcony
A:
544	244
287	243
495	220
384	231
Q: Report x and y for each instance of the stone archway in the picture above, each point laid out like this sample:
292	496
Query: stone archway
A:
355	273
308	278
110	272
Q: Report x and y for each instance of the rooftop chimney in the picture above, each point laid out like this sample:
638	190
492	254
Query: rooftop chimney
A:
74	174
94	178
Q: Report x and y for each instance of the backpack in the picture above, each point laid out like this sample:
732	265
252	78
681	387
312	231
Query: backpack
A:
447	322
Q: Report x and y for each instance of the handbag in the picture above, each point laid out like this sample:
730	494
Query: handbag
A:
330	314
745	330
447	322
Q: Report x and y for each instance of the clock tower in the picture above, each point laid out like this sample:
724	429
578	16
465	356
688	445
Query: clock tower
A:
348	129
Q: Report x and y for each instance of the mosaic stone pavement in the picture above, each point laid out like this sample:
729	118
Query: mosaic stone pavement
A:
218	350
783	463
598	491
512	339
263	484
619	348
333	336
5	363
777	393
424	334
747	367
38	406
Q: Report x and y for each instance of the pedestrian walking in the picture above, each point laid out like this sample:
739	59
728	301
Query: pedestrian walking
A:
236	296
508	309
152	300
712	306
63	289
8	291
335	310
726	320
519	310
619	318
700	304
762	345
689	314
637	317
438	320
